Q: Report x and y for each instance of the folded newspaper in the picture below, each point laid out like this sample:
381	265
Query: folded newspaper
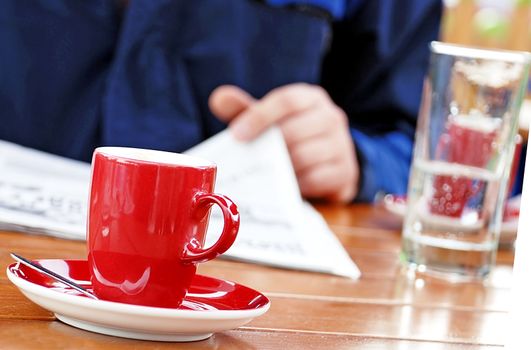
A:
47	194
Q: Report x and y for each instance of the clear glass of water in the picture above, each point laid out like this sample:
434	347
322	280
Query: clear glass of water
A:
462	158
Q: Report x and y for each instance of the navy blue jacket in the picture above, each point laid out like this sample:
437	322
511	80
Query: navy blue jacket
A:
75	75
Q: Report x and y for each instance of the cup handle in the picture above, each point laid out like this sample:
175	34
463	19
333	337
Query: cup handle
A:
193	253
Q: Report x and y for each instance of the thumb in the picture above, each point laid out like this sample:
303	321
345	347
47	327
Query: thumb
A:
228	101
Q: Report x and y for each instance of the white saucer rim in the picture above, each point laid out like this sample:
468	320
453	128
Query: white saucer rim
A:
123	333
136	310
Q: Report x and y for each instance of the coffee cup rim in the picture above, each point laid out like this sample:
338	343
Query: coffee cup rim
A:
144	155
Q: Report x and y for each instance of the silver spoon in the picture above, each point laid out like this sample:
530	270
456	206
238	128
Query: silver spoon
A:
53	275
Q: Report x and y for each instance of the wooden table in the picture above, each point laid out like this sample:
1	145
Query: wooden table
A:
382	310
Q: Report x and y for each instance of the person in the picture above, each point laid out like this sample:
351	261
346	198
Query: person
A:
341	78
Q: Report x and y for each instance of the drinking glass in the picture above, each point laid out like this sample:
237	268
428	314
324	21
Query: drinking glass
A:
464	146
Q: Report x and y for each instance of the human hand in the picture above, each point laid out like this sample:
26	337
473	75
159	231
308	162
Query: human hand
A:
315	130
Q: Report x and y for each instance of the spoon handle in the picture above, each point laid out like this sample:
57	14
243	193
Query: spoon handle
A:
52	274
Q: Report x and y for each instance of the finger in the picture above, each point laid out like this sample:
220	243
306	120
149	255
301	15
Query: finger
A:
228	101
334	181
312	123
315	151
273	107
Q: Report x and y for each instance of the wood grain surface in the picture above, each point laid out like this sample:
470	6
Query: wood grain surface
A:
385	309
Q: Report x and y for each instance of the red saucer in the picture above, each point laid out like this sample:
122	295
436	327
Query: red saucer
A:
206	293
210	306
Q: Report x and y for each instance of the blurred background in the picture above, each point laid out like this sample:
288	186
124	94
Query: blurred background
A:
497	24
502	24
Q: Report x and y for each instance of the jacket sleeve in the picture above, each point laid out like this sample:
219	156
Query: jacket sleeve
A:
374	71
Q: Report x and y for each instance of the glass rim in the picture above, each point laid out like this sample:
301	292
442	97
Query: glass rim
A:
439	47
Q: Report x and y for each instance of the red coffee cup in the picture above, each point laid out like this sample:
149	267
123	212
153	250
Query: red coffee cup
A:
147	221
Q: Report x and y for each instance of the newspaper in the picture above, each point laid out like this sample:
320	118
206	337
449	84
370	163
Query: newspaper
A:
47	194
42	193
277	226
